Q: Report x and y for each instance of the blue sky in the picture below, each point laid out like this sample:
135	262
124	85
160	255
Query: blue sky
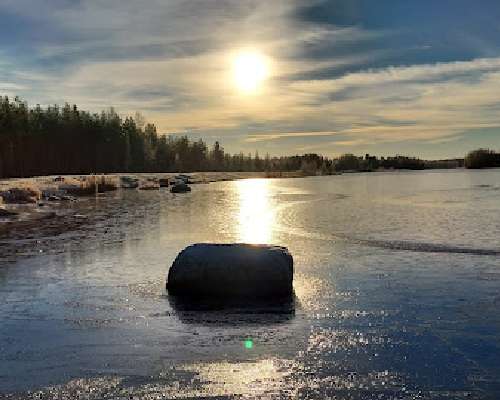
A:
381	77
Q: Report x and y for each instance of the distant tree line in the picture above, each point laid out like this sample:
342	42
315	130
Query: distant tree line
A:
66	140
482	158
350	162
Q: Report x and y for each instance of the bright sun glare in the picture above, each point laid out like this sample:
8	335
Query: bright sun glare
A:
256	212
250	68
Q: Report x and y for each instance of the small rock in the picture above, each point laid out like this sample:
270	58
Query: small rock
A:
182	178
20	195
128	182
180	188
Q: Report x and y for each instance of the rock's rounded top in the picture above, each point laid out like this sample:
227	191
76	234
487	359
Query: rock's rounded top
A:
232	269
234	247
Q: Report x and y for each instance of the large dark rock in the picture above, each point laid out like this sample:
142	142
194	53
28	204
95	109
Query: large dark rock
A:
232	270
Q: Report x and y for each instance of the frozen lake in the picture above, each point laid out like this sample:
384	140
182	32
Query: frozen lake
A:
397	283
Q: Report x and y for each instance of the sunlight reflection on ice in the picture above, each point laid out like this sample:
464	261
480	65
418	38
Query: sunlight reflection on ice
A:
235	378
266	378
256	214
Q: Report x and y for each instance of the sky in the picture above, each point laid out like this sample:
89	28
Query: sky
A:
354	76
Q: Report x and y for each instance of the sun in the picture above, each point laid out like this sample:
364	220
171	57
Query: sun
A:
250	69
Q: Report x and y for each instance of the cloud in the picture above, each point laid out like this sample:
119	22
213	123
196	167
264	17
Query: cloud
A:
253	138
401	105
417	73
332	85
8	86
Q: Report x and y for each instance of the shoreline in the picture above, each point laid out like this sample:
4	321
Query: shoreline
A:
41	213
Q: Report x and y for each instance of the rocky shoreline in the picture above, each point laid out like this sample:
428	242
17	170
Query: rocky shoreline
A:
49	205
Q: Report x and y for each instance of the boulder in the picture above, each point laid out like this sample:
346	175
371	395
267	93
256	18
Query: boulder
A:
180	188
232	270
128	182
20	195
182	178
47	193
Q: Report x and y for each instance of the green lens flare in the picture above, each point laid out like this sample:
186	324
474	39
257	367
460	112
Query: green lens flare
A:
248	344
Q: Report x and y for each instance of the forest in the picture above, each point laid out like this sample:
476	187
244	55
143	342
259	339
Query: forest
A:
66	140
482	158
